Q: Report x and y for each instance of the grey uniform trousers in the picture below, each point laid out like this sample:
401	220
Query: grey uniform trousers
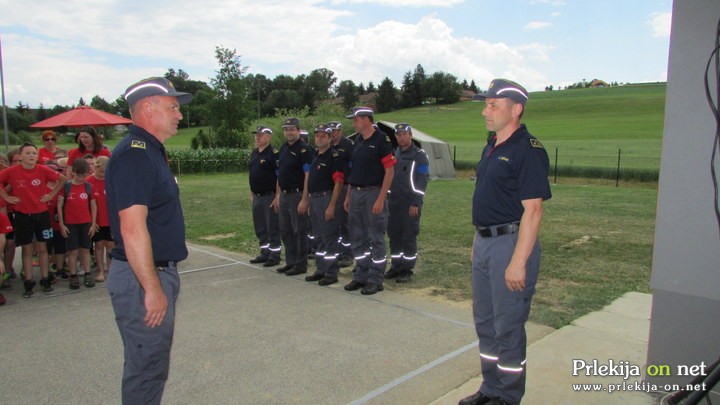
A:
326	237
267	226
293	230
500	315
147	350
367	236
403	231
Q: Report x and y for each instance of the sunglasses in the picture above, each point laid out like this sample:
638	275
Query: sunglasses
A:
50	139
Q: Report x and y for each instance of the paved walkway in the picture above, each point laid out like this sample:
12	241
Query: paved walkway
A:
247	335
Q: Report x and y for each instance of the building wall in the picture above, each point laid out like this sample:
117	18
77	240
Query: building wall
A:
685	325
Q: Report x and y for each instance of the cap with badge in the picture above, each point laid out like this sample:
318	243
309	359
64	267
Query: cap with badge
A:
403	127
503	88
262	130
335	125
361	112
291	122
323	128
154	86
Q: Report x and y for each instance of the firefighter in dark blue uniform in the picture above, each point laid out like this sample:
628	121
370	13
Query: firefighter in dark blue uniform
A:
405	201
291	198
324	185
147	224
263	182
343	145
370	178
512	183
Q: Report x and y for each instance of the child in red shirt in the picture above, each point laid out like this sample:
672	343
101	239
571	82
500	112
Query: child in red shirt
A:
103	239
5	228
29	195
77	213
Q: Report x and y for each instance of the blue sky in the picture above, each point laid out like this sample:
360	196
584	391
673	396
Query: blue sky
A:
55	52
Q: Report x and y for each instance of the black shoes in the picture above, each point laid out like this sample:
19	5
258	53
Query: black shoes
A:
284	268
478	398
354	286
271	263
404	277
327	281
259	259
345	261
45	286
29	285
371	289
315	277
295	271
392	273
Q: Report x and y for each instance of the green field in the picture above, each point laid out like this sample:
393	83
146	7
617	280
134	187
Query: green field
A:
597	241
587	126
583	130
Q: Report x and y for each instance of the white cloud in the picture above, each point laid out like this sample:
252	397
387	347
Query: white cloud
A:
537	25
432	44
660	23
403	3
53	60
551	2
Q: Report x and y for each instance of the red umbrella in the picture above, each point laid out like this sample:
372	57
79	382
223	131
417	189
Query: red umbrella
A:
81	116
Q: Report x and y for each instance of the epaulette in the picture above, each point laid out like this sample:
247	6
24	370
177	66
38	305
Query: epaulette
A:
135	143
536	144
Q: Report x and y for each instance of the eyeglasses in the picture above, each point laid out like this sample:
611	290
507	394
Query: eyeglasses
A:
50	139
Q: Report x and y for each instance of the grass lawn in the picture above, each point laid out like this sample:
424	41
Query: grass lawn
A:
597	240
587	126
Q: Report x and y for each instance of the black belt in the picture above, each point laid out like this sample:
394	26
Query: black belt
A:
497	230
161	266
320	193
291	190
354	187
264	194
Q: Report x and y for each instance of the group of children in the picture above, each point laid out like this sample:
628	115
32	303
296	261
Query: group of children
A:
55	213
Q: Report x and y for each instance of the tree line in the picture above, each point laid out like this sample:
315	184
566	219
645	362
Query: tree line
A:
233	99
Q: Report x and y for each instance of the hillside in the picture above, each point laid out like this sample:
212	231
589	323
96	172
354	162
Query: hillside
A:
588	126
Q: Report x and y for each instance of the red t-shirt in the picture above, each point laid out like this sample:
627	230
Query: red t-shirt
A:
100	199
5	226
76	207
52	209
76	154
28	185
44	155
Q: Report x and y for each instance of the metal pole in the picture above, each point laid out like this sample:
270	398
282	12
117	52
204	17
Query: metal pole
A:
4	107
556	160
617	175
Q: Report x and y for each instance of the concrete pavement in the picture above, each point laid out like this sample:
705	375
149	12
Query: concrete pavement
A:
247	335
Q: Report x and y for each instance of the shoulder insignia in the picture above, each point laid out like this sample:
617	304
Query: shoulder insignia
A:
275	151
303	150
137	144
335	154
536	144
387	138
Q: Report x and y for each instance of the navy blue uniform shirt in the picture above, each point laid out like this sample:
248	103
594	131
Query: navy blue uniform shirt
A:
294	162
325	168
508	173
412	173
138	174
369	159
263	167
344	149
